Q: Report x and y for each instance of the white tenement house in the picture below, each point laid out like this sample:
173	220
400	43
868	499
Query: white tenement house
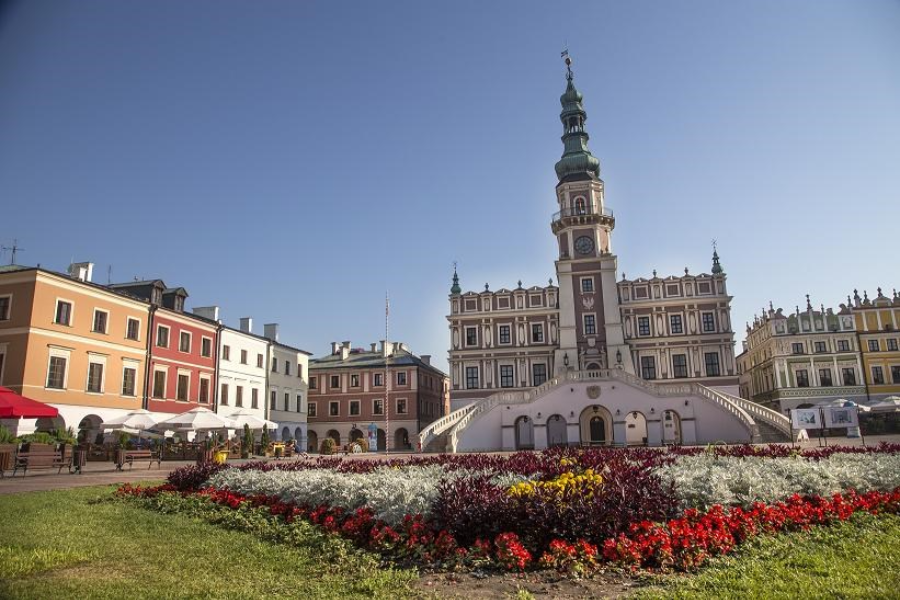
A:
594	360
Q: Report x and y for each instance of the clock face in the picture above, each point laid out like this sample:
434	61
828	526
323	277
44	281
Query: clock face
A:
584	245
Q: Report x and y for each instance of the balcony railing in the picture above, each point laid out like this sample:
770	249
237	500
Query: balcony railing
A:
582	211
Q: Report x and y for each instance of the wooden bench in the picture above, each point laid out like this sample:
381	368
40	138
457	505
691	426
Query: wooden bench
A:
43	457
128	457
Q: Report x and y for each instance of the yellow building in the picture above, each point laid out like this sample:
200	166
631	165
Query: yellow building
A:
878	327
72	344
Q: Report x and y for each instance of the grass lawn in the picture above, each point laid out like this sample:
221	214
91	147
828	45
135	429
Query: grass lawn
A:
61	545
856	559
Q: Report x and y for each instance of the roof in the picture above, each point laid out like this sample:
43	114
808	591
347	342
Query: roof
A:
368	360
289	347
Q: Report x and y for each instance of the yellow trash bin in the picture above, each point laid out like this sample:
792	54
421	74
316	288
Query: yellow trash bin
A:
221	456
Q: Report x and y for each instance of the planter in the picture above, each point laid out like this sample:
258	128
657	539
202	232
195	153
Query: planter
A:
205	456
7	454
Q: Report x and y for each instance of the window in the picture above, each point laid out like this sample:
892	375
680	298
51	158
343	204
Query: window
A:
184	342
334	409
129	381
254	398
401	378
712	364
299	402
679	365
239	395
648	367
895	374
313	383
63	312
821	347
287	401
873	345
825	378
226	352
206	347
590	325
877	375
504	334
159	384
506	376
4	307
335	382
162	336
100	318
259	361
56	373
274	365
287	367
311	409
273	398
354	380
675	324
95	378
378	380
223	395
802	378
538	374
132	329
587	285
244	357
300	370
797	348
183	383
537	333
848	374
709	322
378	407
643	325
471	378
401	406
204	391
843	345
354	408
892	344
471	336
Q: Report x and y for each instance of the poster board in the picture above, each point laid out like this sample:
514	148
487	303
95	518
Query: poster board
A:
806	418
841	416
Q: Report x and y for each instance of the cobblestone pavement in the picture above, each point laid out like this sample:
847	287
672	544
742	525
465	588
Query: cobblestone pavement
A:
105	473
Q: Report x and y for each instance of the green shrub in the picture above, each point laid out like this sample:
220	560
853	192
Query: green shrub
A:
39	437
247	445
264	441
362	443
65	436
328	446
6	436
124	439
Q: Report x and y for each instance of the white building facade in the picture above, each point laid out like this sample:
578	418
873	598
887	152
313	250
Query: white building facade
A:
242	371
288	388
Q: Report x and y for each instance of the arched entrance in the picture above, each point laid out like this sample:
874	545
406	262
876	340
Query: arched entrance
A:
48	425
593	367
298	434
285	434
335	436
355	434
556	431
595	426
671	428
401	439
524	434
312	441
89	429
635	429
382	440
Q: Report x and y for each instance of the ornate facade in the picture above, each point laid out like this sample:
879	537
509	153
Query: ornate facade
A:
878	324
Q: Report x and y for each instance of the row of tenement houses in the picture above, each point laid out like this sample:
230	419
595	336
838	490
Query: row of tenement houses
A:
96	352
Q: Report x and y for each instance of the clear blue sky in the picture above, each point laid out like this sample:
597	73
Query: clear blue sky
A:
292	161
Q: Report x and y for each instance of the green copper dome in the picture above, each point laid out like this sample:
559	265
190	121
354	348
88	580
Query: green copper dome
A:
577	162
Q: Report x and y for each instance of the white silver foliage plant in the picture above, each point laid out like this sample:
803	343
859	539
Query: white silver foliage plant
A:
703	480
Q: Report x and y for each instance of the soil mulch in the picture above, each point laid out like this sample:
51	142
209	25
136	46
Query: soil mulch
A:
541	584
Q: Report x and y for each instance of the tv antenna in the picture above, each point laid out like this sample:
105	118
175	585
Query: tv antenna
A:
13	250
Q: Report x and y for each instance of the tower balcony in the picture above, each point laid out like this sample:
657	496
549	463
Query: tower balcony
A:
587	214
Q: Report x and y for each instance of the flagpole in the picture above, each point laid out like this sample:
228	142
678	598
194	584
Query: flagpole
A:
387	378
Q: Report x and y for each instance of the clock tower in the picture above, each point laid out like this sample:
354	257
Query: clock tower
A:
591	335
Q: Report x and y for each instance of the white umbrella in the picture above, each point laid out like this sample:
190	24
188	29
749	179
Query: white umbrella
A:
137	419
889	404
837	403
195	420
245	417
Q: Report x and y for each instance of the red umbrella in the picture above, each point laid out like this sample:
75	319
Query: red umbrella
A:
14	406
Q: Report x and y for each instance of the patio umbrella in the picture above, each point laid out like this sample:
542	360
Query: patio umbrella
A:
194	420
138	419
889	404
15	406
245	417
837	403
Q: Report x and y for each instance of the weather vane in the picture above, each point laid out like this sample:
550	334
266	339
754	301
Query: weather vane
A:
715	245
568	59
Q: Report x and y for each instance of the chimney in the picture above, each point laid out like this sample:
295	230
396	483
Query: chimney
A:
247	324
82	271
387	348
426	358
207	312
335	347
402	347
345	350
374	347
270	331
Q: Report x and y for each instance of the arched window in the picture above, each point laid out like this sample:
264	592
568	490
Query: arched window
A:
580	208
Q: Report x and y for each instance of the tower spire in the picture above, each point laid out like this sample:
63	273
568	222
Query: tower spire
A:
716	267
455	289
577	162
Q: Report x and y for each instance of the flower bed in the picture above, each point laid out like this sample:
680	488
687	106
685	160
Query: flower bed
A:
569	510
